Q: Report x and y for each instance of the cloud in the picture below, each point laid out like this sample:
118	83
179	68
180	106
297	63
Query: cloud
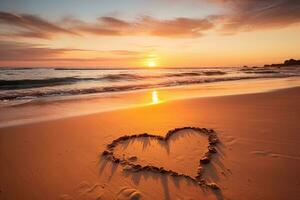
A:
16	52
177	27
25	25
113	22
21	51
250	15
126	52
98	30
235	16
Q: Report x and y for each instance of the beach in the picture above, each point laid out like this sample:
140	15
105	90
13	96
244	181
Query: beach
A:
149	100
257	154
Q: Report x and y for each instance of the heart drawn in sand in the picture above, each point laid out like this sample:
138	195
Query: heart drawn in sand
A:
131	166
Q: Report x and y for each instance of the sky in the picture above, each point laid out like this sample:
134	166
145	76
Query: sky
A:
148	33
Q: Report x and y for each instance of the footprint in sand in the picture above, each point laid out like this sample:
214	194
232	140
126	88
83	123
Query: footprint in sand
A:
128	194
85	191
275	155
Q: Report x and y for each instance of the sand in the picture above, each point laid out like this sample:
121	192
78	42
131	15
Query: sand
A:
257	157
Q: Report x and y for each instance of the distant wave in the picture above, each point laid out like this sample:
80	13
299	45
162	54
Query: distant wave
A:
202	73
178	74
262	72
129	87
35	83
14	85
16	68
124	76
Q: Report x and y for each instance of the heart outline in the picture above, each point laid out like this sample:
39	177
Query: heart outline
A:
213	140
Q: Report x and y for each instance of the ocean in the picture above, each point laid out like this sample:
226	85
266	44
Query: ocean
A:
18	86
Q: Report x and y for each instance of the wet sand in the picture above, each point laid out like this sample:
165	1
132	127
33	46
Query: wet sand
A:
45	109
257	156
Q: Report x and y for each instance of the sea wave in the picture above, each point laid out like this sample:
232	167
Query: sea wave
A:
33	83
129	87
36	83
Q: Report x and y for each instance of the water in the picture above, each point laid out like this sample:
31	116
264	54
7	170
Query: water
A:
23	85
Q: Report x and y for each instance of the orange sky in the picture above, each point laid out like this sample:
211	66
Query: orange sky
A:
164	34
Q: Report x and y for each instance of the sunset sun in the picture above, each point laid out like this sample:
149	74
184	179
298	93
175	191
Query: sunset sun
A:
151	63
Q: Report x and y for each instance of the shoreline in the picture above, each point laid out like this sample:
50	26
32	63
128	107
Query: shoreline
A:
61	159
59	108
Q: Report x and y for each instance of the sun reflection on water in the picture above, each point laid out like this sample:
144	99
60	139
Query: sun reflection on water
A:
155	98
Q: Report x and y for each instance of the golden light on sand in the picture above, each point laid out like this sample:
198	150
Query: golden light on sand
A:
155	98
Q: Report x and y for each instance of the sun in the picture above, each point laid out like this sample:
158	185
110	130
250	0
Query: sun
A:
151	63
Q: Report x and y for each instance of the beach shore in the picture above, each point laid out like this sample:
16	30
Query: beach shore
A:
257	157
52	108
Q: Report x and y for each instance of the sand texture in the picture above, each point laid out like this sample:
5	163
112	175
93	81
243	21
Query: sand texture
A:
252	142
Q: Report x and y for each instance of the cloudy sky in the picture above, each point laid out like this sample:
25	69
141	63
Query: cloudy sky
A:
136	33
